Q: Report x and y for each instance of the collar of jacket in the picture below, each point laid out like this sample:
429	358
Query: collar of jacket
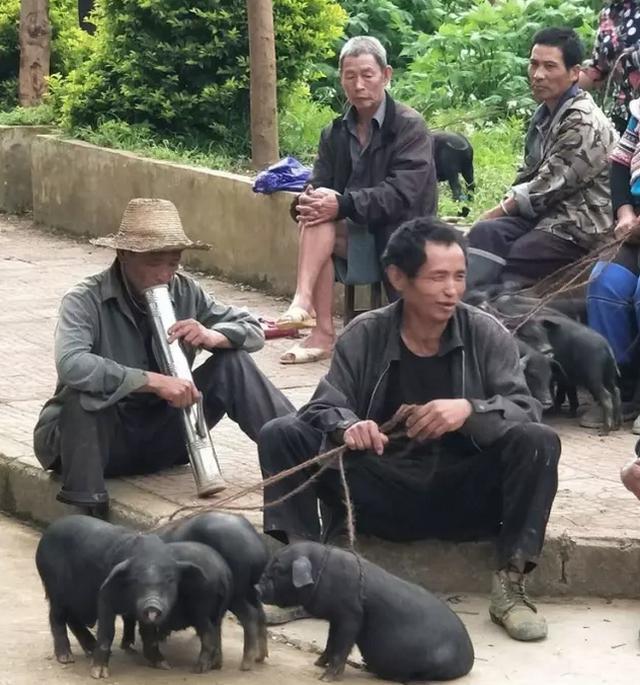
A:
451	336
388	128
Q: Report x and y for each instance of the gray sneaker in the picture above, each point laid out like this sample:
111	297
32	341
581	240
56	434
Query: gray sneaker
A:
594	416
276	616
512	609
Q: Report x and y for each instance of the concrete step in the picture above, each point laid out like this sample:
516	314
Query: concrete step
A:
604	567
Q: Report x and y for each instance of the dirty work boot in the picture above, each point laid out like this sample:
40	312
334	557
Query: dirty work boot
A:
512	609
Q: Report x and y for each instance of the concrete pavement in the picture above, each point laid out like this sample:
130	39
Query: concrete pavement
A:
594	529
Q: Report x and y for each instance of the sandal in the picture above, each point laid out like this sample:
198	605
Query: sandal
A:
295	317
305	355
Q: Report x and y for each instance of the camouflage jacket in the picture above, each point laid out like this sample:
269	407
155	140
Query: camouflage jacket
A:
564	181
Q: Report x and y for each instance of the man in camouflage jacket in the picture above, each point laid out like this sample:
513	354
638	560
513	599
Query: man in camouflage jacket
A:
560	204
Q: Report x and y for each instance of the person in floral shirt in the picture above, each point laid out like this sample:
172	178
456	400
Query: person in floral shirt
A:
615	63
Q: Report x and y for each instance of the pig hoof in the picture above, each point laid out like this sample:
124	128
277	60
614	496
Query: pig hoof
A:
127	647
246	664
98	672
321	661
65	658
330	676
162	665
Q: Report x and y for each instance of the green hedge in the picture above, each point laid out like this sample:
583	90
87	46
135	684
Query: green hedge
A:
183	70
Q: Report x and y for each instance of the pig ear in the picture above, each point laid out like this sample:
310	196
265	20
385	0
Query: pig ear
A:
118	574
524	360
191	572
301	572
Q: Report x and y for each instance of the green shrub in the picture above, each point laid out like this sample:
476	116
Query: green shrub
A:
300	121
69	44
183	69
481	54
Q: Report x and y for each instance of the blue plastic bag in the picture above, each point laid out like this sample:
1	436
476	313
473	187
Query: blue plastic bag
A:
287	174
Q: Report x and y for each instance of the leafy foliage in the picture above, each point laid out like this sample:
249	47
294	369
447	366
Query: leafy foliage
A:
480	54
180	68
69	44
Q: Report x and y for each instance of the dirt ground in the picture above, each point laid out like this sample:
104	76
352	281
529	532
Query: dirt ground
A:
589	642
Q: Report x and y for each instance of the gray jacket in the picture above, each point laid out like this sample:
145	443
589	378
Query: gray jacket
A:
99	349
485	370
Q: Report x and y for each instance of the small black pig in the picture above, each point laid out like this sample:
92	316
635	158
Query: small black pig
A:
201	604
453	155
538	372
585	360
92	570
237	541
403	631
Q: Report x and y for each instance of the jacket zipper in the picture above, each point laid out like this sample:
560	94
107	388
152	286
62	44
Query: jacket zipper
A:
375	388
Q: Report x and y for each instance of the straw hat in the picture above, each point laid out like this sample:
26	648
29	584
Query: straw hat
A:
150	225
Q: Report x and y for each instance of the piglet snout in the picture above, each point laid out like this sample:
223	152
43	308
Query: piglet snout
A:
152	612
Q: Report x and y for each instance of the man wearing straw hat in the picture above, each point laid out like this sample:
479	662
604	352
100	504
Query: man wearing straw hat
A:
113	412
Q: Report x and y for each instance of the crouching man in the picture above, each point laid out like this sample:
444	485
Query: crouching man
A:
113	412
475	463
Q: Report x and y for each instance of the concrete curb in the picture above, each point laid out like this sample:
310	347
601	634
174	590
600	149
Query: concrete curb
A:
569	567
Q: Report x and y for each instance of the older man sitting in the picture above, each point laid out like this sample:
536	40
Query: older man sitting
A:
374	170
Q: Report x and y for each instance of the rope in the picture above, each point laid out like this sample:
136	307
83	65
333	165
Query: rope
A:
326	459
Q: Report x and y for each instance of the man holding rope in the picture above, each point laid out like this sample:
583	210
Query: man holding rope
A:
475	462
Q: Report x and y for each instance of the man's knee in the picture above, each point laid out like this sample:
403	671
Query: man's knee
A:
481	231
534	442
612	282
278	431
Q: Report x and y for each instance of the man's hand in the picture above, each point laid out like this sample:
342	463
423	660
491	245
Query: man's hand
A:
627	224
494	213
177	392
196	335
365	435
317	207
434	419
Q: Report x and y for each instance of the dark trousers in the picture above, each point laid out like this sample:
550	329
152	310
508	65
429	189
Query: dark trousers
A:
511	249
505	490
143	434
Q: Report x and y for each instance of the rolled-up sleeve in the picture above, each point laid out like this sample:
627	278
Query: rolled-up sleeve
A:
102	381
240	327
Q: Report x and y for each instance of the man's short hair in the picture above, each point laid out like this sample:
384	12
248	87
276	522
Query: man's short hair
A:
405	248
564	38
364	45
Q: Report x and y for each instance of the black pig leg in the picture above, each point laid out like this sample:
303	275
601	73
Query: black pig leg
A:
83	636
61	646
323	659
128	633
249	619
151	647
342	640
263	641
104	639
210	652
572	394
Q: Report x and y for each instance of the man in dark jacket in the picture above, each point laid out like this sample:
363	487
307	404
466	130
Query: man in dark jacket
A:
475	462
374	170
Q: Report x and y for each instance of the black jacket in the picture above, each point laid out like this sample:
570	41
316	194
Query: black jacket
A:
401	181
485	370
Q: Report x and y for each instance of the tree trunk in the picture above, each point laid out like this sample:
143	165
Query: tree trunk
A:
34	51
264	108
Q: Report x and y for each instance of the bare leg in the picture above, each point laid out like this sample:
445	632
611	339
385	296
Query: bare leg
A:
315	248
323	335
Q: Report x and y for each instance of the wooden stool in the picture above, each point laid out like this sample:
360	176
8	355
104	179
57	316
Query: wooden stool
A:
375	300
